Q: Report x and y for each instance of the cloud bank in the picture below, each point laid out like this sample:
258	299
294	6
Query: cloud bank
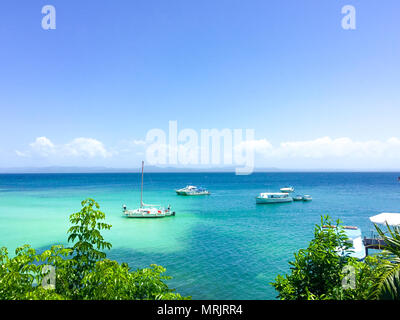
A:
323	152
326	147
77	148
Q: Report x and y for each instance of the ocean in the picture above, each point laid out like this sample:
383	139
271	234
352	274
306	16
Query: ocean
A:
221	246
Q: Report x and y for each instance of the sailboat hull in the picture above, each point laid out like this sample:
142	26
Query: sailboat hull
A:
148	214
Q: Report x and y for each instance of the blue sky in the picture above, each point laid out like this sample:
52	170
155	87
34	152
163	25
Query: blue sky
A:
112	70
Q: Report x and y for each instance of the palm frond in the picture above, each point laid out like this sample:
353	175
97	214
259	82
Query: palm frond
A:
389	285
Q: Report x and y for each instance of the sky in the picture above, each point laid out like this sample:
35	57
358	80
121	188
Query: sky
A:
88	92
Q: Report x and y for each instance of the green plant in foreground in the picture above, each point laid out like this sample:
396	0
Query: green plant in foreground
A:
82	271
87	225
21	274
388	285
318	271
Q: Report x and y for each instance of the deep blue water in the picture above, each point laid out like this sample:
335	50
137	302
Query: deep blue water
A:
221	246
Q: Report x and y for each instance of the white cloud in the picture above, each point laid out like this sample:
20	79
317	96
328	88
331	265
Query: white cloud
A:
86	147
262	146
139	142
129	146
79	147
42	146
326	147
323	152
22	154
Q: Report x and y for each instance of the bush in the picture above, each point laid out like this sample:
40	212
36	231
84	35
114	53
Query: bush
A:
317	272
82	271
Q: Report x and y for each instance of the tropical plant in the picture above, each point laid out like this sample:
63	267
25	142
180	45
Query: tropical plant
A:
112	281
319	272
316	272
366	274
86	228
21	275
82	271
388	285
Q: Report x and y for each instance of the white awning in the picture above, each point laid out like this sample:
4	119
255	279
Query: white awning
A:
392	219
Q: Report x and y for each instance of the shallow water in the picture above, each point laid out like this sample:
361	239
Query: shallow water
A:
221	246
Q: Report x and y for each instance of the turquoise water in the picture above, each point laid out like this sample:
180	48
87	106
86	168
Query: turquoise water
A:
221	246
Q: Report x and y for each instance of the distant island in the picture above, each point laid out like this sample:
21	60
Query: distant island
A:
159	169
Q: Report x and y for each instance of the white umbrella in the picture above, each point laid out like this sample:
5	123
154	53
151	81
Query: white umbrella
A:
392	219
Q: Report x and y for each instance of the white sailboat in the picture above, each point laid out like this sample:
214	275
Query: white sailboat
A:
147	210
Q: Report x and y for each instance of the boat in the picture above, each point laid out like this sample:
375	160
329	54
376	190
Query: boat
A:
267	198
298	198
307	198
357	249
356	244
192	191
287	189
147	210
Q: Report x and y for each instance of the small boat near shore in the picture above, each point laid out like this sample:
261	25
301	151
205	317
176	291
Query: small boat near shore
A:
268	198
356	245
192	191
287	189
357	249
147	210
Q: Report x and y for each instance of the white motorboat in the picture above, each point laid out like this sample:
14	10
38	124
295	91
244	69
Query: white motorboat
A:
287	189
267	198
298	198
307	198
192	191
147	210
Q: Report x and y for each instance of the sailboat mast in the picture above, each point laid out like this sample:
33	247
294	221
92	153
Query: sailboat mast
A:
141	192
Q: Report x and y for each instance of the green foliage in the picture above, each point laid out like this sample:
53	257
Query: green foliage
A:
20	275
82	271
110	280
86	229
388	285
319	272
367	274
316	272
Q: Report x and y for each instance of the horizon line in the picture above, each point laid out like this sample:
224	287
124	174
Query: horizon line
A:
156	169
